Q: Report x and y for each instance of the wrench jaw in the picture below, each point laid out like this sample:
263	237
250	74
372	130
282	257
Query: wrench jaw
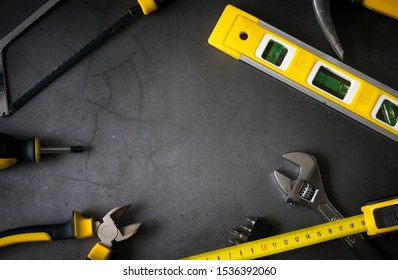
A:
300	192
288	187
307	189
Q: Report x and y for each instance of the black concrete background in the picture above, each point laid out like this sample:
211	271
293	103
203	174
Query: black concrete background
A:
186	134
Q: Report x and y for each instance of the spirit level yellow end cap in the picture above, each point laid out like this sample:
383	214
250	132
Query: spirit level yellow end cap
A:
223	27
148	6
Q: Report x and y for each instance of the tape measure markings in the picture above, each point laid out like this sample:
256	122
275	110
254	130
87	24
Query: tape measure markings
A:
288	241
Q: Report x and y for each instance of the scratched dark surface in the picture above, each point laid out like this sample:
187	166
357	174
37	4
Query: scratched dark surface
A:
186	134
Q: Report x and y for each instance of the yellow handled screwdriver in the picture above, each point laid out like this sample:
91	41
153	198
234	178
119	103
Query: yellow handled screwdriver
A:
13	150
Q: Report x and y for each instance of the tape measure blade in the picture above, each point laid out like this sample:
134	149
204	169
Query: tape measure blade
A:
287	241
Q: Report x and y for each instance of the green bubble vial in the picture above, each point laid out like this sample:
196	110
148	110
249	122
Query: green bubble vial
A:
388	113
274	52
331	83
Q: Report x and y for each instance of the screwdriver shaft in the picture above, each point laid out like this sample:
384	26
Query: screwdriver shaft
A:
61	150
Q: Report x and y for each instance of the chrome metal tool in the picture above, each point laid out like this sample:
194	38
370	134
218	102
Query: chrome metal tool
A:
307	190
109	233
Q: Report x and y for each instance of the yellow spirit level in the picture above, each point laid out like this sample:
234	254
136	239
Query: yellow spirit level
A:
378	217
308	70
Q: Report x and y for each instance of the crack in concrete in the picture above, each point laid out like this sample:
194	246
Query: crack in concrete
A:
90	142
113	68
118	115
73	179
140	91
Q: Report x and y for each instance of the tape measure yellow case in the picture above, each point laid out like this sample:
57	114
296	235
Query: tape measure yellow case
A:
308	70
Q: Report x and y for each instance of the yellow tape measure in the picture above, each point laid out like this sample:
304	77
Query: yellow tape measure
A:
378	217
312	72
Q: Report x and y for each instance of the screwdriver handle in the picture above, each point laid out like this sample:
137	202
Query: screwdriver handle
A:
12	150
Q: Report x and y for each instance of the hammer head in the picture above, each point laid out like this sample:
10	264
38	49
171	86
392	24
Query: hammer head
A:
322	14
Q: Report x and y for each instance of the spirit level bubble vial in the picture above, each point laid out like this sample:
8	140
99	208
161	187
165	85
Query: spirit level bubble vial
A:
308	70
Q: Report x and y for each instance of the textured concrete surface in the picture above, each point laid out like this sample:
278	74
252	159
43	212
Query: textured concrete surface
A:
186	134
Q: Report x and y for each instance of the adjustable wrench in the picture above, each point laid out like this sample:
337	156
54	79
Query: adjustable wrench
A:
307	190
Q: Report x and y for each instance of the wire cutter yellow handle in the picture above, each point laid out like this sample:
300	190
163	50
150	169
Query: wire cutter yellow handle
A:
100	252
77	227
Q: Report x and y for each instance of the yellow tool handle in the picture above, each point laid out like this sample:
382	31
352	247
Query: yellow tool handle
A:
77	227
386	7
378	217
13	149
24	238
100	252
7	162
148	6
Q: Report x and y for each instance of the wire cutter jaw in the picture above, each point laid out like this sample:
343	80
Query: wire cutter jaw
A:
109	233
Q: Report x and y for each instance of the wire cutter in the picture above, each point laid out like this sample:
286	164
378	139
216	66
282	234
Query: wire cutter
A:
77	227
322	13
